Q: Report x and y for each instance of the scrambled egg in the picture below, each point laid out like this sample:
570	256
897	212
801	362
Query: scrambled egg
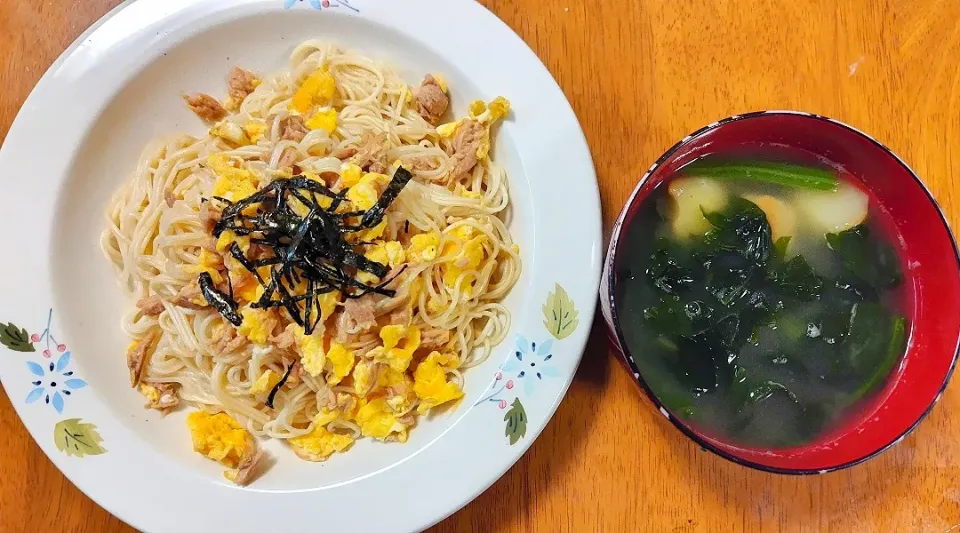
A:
230	132
255	131
448	130
328	303
210	263
477	107
430	382
312	356
399	343
323	120
388	253
376	420
466	256
232	183
496	110
363	377
499	108
402	385
350	174
248	289
341	362
257	324
325	416
423	248
219	437
364	194
319	444
434	306
265	383
228	237
151	393
460	190
318	89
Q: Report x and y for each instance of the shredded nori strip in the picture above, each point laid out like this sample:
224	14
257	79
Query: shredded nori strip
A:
373	216
223	303
276	388
308	255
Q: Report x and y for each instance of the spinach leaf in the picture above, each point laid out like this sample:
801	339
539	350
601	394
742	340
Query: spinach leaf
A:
896	344
868	258
801	177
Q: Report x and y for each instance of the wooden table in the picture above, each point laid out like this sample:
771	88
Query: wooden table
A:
640	75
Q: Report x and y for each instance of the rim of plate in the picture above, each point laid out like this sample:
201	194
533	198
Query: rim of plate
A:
95	68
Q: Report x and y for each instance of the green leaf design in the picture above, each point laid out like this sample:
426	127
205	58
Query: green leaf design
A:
559	314
75	438
516	419
17	339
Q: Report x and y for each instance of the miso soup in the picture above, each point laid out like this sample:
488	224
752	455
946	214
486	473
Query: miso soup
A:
762	301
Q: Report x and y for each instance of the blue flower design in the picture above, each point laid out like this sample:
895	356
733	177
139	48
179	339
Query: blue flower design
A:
55	383
532	363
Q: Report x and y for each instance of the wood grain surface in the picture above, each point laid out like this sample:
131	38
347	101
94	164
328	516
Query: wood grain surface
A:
640	75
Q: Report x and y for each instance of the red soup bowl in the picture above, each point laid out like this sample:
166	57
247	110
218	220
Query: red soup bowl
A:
929	259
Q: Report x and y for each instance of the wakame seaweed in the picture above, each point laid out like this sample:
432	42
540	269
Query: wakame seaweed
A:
712	301
312	247
867	257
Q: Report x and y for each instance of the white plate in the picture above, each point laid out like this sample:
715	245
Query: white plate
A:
78	136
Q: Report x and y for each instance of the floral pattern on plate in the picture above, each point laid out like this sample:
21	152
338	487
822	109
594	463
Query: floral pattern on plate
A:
531	363
54	381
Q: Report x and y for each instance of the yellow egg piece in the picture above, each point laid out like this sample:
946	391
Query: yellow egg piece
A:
312	356
228	237
447	130
430	382
265	383
323	120
328	303
341	363
247	289
325	416
399	343
477	107
363	195
256	324
219	437
210	263
423	248
376	421
318	89
319	444
255	131
149	391
499	108
363	377
232	183
350	174
230	132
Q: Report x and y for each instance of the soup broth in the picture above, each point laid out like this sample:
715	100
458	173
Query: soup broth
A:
763	301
